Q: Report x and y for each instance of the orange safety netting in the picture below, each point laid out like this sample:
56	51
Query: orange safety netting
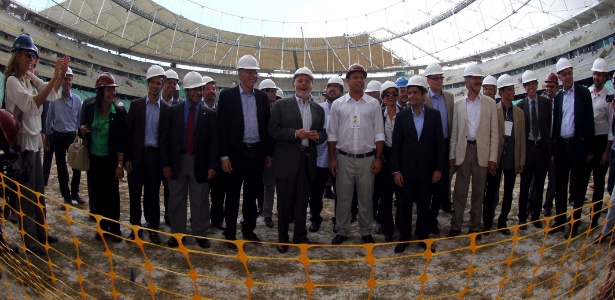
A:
530	263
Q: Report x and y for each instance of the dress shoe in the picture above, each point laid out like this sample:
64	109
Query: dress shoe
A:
172	242
131	236
378	228
537	223
269	222
232	246
251	236
116	238
50	239
368	239
155	237
282	248
314	227
203	243
601	239
453	233
79	200
388	238
220	226
571	232
435	230
504	231
547	212
556	228
38	251
424	246
353	218
338	239
399	248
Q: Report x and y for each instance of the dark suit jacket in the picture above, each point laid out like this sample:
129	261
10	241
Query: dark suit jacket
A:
417	159
117	127
544	121
230	123
135	125
584	130
205	136
285	120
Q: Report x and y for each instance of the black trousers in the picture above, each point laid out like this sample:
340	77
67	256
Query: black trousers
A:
144	180
217	193
387	188
550	195
293	199
440	191
568	167
47	158
414	192
535	172
599	170
247	172
105	191
489	205
317	191
61	142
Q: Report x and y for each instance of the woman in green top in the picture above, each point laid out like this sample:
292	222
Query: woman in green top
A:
103	128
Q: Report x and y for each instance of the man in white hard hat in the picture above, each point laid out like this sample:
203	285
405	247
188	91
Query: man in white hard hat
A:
572	142
297	126
473	150
335	89
266	196
490	87
189	158
373	89
443	102
62	122
511	155
603	119
537	112
417	161
245	147
551	88
216	184
356	142
169	88
142	157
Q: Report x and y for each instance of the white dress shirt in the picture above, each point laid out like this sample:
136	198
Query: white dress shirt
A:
389	124
306	117
473	115
567	126
356	126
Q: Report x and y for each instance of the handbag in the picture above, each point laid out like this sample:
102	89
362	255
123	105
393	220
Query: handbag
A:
78	157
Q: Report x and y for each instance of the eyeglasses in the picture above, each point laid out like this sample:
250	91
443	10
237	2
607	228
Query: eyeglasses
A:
390	94
270	91
439	78
551	86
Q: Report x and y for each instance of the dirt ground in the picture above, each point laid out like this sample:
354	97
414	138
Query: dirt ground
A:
530	264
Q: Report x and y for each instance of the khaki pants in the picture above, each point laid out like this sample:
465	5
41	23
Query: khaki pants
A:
468	168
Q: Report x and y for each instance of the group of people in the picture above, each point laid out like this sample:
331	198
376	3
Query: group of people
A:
405	139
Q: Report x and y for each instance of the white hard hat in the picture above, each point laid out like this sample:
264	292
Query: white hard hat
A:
208	79
418	80
473	70
171	74
600	65
505	80
193	80
69	71
490	80
433	69
387	85
528	76
305	71
154	71
336	80
562	63
279	93
373	86
247	62
267	84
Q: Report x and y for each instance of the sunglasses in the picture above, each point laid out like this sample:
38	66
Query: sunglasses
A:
390	94
31	55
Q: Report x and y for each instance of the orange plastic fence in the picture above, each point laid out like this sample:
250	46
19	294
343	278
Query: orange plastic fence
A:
529	263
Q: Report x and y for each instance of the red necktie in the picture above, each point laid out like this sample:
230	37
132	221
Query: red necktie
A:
190	131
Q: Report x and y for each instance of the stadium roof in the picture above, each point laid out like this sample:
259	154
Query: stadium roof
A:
414	34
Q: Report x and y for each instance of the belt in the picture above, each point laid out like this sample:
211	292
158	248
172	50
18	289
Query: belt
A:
57	133
251	145
150	148
472	142
305	149
567	140
534	143
364	155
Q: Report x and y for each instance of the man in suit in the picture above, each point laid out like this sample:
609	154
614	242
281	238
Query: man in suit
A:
266	196
142	158
511	155
474	144
168	98
572	145
189	158
444	103
551	83
537	112
297	126
417	161
245	147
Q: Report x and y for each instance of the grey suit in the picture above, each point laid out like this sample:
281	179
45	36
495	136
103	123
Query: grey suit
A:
294	165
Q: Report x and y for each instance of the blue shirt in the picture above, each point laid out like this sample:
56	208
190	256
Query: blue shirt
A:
567	129
440	104
63	114
152	115
187	105
418	121
250	120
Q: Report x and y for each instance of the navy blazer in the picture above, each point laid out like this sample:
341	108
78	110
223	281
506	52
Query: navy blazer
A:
584	130
135	124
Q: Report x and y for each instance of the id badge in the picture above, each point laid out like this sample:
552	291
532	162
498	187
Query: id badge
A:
508	126
355	121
